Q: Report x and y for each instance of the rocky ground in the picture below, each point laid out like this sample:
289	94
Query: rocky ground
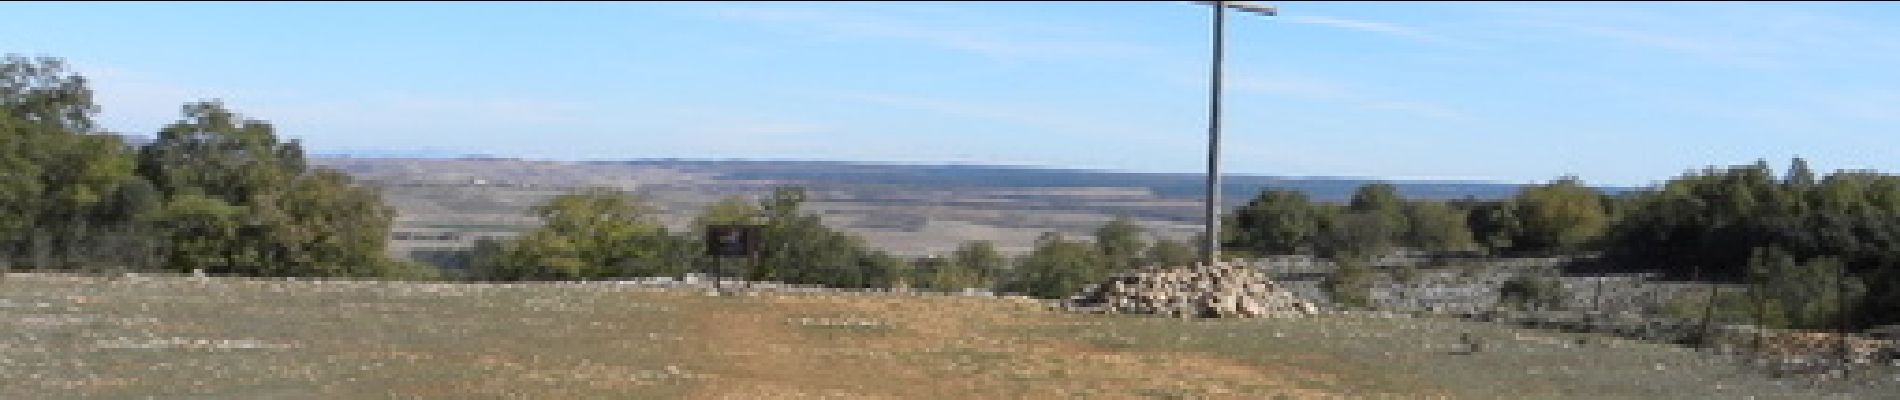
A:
170	336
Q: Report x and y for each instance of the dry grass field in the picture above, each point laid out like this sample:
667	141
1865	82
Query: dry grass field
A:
225	338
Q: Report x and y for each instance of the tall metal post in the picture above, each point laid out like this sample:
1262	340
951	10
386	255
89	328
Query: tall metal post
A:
1210	247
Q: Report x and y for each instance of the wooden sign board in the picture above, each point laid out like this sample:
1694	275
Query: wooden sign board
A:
734	240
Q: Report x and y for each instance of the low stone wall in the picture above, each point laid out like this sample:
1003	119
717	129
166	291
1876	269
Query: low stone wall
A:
1464	286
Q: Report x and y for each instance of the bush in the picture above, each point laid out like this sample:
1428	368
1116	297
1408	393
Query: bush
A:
1731	307
1532	291
1351	284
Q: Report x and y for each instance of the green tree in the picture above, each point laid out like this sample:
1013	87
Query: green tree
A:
877	269
1276	222
58	174
201	230
1057	268
591	234
1357	235
939	273
981	260
1799	175
321	224
219	153
1170	253
1801	295
799	248
1437	226
1120	244
1351	284
1382	201
488	261
287	219
1535	290
1494	225
728	210
1561	216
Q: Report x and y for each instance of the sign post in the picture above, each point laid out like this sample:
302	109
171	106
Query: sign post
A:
733	240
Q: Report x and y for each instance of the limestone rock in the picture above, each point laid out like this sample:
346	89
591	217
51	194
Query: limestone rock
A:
1205	291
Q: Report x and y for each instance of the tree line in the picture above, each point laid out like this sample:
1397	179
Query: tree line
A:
215	191
1817	251
604	233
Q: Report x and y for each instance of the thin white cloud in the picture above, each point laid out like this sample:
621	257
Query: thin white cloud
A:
1315	89
1728	50
1384	28
409	109
1747	35
1025	116
993	42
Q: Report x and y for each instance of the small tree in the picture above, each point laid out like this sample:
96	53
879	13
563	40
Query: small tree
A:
1170	253
979	260
1562	216
1056	269
1276	222
589	234
1351	284
1436	226
1800	295
1532	291
1120	244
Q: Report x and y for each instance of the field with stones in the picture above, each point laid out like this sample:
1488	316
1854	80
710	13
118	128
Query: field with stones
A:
227	338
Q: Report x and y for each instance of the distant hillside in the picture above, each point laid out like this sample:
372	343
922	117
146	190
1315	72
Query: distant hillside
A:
906	209
1235	187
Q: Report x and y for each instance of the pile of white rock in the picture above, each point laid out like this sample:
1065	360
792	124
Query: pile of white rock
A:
1200	291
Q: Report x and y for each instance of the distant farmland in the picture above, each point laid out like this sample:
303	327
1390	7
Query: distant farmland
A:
905	209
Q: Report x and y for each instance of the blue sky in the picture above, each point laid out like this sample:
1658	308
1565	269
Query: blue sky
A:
1616	93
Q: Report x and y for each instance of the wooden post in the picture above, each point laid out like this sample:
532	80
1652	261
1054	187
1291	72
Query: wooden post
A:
1760	298
1708	313
1840	312
1596	302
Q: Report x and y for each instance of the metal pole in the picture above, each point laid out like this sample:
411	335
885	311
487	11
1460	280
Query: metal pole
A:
1210	247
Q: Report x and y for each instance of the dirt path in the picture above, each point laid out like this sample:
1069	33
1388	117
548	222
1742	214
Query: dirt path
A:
867	347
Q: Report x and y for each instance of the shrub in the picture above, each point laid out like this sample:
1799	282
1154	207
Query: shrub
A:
1532	291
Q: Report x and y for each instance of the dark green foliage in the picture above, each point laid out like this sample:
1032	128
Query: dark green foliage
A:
216	152
1532	291
1714	219
974	264
1346	234
1351	284
1120	244
1561	217
215	191
589	234
876	269
58	175
1788	294
1375	221
1276	222
1170	253
799	248
1057	268
1385	211
1494	225
980	257
1436	226
245	203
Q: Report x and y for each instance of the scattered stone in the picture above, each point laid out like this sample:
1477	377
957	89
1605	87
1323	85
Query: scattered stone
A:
1200	291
